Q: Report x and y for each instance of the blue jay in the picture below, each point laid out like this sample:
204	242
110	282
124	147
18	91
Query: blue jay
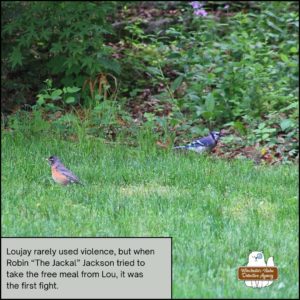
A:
202	144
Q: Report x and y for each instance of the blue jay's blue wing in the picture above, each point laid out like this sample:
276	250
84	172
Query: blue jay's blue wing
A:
206	141
202	144
196	146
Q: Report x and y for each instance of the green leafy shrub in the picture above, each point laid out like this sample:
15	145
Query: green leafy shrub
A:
64	39
236	65
53	99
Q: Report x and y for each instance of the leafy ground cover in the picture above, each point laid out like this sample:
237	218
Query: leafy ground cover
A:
180	68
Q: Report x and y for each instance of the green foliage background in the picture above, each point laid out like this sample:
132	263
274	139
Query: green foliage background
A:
236	68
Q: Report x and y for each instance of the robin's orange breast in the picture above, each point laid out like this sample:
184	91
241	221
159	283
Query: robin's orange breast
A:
58	177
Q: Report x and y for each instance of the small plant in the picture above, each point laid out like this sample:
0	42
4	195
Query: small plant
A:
51	98
100	88
264	133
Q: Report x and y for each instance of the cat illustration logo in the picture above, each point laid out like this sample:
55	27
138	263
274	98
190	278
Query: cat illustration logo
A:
258	273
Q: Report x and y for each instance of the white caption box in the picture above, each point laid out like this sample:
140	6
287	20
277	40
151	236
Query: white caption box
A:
86	268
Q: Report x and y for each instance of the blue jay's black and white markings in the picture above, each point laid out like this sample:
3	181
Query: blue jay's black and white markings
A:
202	144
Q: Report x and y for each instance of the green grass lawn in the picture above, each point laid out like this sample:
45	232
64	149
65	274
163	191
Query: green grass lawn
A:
215	210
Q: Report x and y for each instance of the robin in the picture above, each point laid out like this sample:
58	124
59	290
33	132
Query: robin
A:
60	173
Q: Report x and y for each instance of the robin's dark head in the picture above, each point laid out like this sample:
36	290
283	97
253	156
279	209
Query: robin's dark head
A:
52	160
